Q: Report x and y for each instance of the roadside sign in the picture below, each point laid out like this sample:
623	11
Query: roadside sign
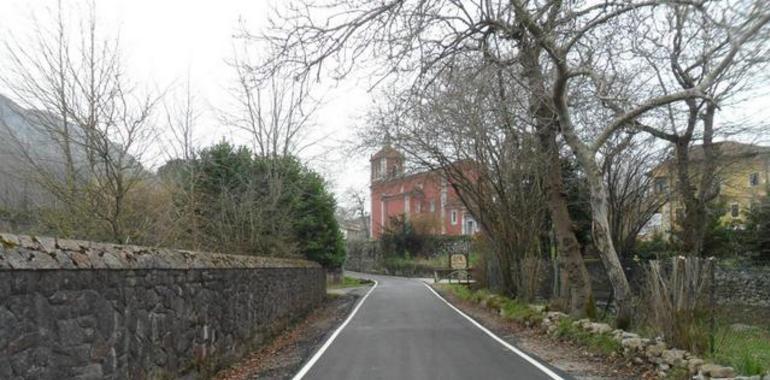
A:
458	261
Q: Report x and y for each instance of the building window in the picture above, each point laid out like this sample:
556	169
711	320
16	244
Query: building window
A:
383	167
754	179
735	210
433	205
469	225
406	204
660	184
454	217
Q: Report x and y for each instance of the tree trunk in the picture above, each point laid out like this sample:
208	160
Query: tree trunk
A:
600	223
570	255
691	213
546	123
708	188
504	258
600	232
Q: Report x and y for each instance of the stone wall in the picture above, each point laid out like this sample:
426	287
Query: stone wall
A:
364	256
73	309
743	286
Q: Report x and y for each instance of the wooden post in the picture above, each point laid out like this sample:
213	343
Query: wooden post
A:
712	304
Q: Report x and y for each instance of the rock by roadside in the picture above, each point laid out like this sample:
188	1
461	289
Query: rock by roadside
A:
285	355
651	351
564	355
632	348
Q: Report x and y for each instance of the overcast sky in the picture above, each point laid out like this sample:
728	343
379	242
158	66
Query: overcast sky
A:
163	40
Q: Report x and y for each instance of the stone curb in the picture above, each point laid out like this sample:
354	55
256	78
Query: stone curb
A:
639	350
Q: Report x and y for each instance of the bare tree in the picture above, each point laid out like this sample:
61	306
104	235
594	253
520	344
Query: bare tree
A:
559	49
179	173
275	110
181	115
701	43
357	198
426	38
86	128
468	129
627	165
572	50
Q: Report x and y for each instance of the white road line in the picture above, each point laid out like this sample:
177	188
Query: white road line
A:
507	345
302	372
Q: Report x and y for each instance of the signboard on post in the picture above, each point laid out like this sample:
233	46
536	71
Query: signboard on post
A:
458	261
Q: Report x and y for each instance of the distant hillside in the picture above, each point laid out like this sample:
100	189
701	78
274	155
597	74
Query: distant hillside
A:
24	138
22	141
16	190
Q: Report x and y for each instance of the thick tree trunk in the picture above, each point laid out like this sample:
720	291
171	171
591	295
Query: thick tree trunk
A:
694	222
546	122
600	226
691	215
570	255
504	257
708	188
602	239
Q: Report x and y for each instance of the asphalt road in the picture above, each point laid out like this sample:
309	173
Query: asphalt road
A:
404	331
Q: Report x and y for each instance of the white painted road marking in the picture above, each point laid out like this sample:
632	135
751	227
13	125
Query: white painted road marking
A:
507	345
302	372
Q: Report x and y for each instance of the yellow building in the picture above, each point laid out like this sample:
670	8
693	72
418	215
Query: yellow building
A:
743	176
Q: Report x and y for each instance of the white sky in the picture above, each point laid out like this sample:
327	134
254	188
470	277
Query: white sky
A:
163	40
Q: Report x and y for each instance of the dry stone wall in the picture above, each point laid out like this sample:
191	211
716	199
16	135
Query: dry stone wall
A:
743	286
82	310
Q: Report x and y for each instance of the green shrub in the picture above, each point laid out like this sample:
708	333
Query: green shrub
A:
407	267
237	202
656	248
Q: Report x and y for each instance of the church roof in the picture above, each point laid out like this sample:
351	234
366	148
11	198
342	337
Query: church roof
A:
386	151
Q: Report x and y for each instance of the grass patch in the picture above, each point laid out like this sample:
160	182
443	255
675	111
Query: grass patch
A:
349	282
678	373
747	351
602	343
520	312
514	310
462	292
511	309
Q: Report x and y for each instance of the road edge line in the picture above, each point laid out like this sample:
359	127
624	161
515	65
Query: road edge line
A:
306	368
507	345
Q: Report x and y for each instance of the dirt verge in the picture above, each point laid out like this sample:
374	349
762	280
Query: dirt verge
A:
286	353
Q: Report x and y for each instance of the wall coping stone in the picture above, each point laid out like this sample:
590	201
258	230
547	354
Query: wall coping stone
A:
23	252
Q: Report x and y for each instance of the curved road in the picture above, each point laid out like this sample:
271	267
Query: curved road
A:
403	330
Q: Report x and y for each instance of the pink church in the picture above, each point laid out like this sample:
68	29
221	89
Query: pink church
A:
426	199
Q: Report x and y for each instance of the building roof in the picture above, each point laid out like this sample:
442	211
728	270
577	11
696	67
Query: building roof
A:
726	149
386	151
730	149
